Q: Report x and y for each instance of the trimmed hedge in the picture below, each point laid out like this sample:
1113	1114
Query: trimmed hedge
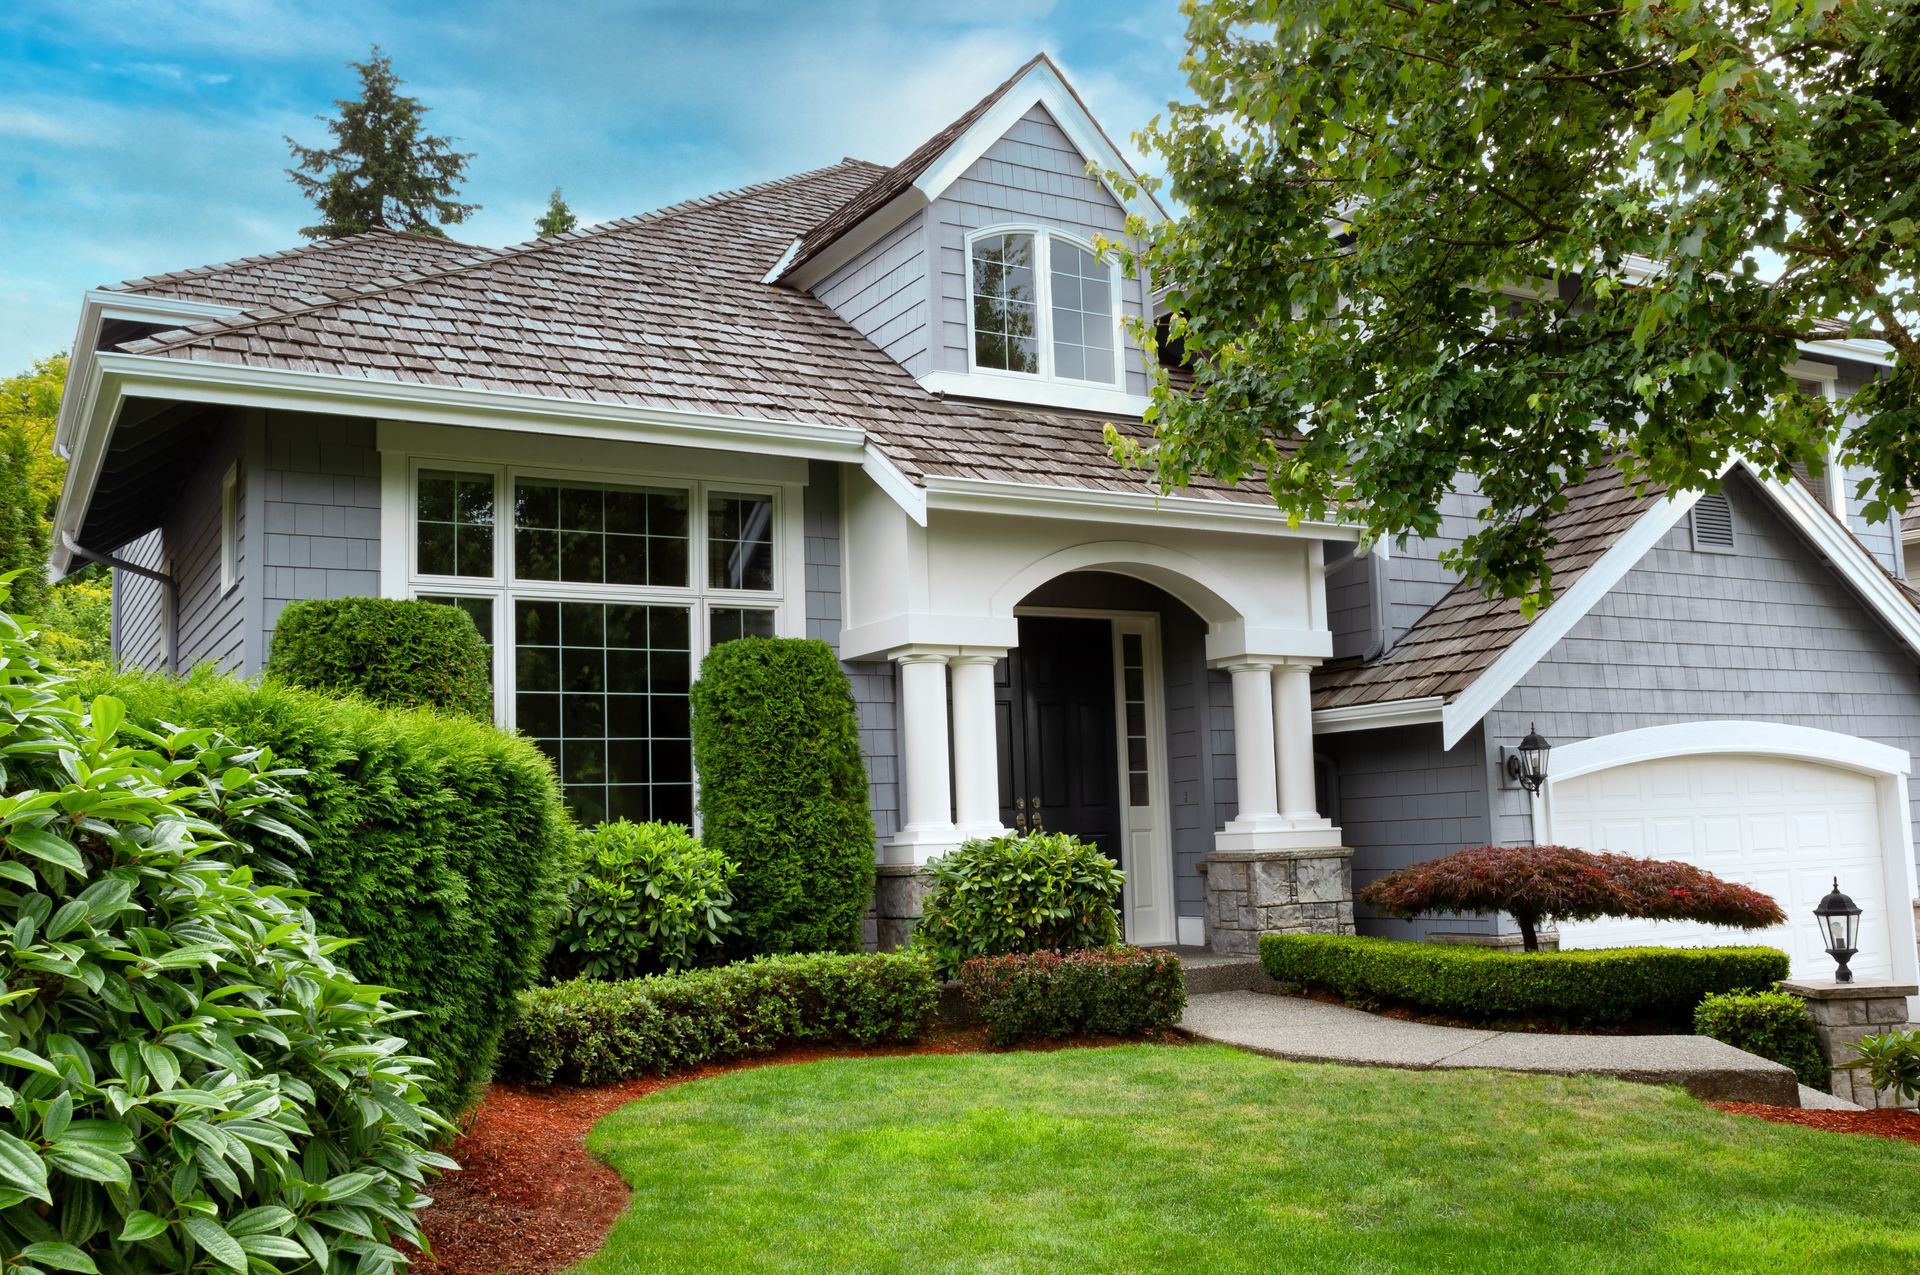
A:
783	792
649	899
439	843
403	653
588	1033
1773	1025
1114	991
1588	987
1041	892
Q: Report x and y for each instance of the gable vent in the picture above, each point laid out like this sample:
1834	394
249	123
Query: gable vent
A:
1713	523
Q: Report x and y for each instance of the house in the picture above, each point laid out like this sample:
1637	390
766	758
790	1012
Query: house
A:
866	405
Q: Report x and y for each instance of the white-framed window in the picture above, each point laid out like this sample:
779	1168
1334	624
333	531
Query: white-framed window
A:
1042	303
599	595
1822	380
230	495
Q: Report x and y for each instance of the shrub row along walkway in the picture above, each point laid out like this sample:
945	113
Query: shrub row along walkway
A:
1310	1031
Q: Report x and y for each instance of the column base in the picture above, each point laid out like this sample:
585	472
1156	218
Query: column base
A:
1275	890
899	898
913	846
1276	832
1844	1013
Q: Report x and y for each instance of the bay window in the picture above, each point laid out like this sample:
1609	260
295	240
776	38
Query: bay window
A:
598	598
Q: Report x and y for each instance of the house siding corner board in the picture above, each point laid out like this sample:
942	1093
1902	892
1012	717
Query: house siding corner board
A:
139	640
883	293
1404	799
1033	174
1770	633
320	480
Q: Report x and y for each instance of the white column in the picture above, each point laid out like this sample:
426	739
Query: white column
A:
1253	742
1293	738
976	760
928	800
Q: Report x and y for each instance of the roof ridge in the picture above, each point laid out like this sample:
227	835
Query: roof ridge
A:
161	341
260	258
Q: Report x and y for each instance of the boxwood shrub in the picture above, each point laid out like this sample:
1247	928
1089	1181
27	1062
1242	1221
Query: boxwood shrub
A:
1041	892
649	899
783	792
589	1032
1114	991
1582	988
439	844
404	653
188	1078
1773	1025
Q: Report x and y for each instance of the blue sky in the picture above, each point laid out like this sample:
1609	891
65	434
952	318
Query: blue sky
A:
145	135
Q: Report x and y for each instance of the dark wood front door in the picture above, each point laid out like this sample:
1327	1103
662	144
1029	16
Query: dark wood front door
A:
1053	701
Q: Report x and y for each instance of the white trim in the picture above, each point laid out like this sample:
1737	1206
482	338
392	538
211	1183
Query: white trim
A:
780	266
1875	353
1487	690
230	529
1827	377
984	495
1017	383
1398	712
1021	387
1889	767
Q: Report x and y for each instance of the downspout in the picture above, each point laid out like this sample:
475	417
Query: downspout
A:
1376	598
169	613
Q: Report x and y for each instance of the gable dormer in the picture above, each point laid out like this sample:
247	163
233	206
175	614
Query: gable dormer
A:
973	264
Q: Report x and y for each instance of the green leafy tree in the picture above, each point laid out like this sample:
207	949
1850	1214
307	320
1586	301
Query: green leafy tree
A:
23	523
30	406
383	170
558	219
1522	240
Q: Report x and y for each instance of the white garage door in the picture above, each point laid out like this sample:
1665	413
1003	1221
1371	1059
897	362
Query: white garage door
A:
1784	826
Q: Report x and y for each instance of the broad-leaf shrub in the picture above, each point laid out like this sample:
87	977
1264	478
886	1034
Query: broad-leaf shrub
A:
589	1032
439	844
1582	988
1773	1025
783	792
1115	991
1042	892
188	1081
1532	883
1891	1061
394	651
650	899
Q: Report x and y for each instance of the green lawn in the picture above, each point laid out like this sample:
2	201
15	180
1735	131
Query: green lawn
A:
1204	1159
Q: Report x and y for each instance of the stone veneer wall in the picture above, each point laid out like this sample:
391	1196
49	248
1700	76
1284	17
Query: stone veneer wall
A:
1255	892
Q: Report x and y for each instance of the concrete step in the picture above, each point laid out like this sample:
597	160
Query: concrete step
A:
1209	972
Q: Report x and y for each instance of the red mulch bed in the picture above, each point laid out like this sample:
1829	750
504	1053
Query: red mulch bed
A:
1903	1125
529	1200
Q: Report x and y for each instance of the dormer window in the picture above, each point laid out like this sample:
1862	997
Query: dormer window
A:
1044	305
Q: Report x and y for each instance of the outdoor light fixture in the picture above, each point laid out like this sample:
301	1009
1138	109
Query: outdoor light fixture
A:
1528	765
1839	919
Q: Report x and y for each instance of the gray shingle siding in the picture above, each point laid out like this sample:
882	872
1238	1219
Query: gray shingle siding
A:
1415	578
883	293
1770	633
1882	538
1033	174
1403	800
320	506
212	628
138	639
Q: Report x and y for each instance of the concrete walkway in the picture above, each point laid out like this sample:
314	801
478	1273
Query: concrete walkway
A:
1309	1031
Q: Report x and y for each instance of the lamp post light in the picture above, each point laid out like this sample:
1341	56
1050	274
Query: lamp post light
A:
1528	764
1839	918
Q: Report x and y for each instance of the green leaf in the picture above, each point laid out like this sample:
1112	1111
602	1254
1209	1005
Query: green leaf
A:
43	845
215	1242
59	1256
142	1225
22	1169
82	1160
108	713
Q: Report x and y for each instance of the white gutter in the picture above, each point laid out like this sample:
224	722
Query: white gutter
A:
101	304
1037	500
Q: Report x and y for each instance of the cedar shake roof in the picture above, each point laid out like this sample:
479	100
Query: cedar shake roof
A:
666	310
311	274
1463	633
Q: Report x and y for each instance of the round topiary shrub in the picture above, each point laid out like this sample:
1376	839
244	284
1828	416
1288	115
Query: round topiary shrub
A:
392	651
187	1079
650	899
1774	1025
783	792
1532	883
1042	892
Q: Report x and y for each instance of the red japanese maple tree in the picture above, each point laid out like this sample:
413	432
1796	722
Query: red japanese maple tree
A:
1532	883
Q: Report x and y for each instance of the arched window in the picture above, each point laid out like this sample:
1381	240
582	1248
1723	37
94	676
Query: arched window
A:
1043	304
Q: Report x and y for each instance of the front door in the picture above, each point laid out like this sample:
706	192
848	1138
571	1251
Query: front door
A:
1054	713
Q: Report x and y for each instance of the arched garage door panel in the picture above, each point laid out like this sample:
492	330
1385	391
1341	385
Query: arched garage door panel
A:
1781	825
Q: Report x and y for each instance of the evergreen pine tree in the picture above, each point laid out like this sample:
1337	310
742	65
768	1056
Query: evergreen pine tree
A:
383	169
558	219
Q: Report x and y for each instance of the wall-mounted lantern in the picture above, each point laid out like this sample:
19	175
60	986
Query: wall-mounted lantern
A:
1527	765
